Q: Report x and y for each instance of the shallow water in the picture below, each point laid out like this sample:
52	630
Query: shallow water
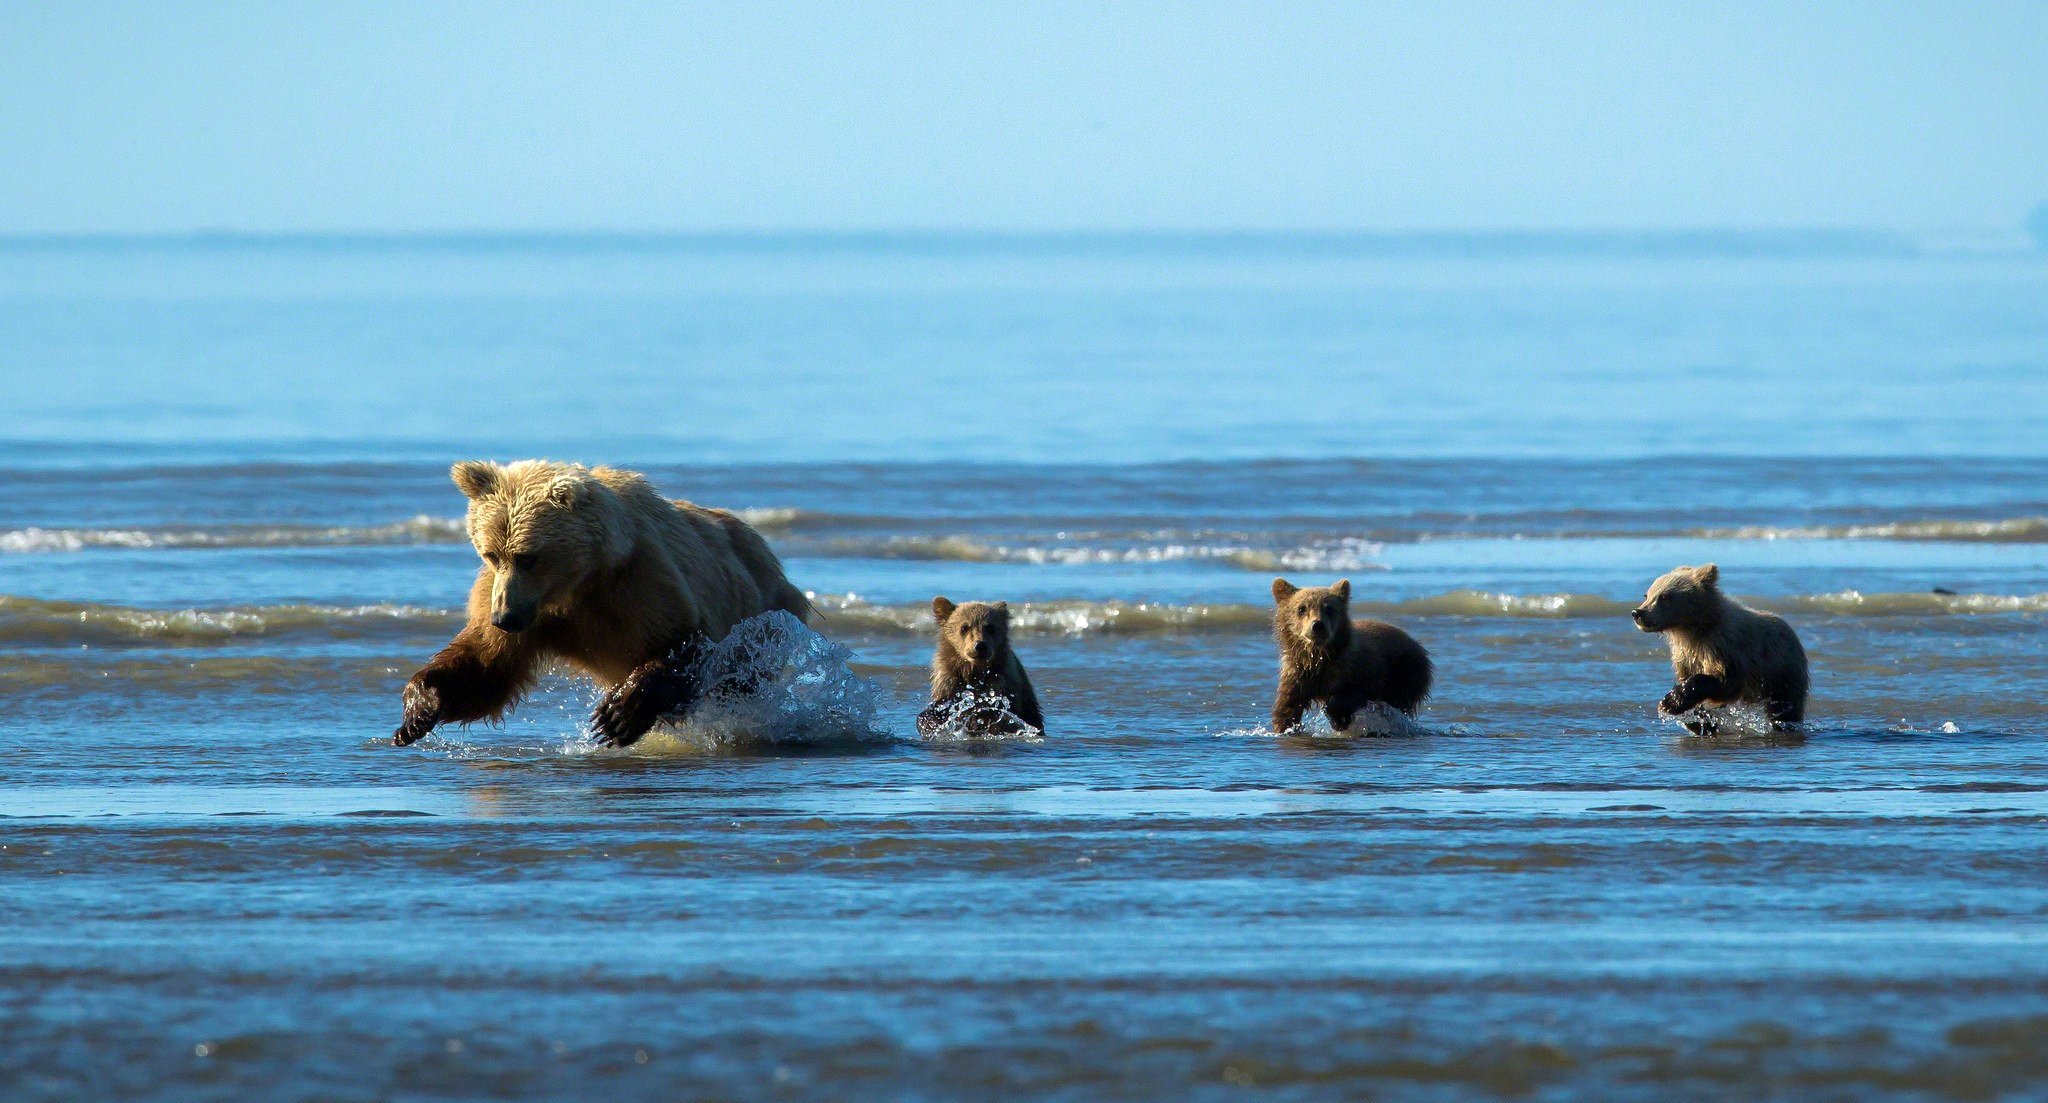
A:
217	881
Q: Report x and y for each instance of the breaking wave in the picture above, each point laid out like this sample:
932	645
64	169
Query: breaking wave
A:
1110	618
416	530
25	620
36	621
2016	530
1344	554
840	536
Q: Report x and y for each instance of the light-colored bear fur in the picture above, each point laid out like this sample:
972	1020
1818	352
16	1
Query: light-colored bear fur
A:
593	568
1722	652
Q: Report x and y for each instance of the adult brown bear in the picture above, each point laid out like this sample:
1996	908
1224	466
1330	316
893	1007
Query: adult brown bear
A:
589	566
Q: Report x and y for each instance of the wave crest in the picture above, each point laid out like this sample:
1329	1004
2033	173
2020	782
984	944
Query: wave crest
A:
1346	554
37	621
2014	530
417	530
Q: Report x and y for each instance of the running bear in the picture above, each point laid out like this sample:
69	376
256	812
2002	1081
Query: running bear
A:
1722	652
974	657
591	567
1327	658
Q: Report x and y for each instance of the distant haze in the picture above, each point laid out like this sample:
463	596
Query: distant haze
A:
1020	116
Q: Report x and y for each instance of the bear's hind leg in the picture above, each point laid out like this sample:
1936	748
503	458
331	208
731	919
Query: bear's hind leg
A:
1785	712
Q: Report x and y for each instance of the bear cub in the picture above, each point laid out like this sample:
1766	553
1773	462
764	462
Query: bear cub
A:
974	658
1722	652
1326	658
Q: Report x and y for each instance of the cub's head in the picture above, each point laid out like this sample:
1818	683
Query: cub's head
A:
1687	597
978	632
542	529
1315	617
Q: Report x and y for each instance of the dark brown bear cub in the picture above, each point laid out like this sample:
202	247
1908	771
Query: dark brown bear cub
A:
974	662
1722	652
1327	659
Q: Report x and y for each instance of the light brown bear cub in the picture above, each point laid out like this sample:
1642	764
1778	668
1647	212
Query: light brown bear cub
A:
1722	652
974	657
591	567
1328	659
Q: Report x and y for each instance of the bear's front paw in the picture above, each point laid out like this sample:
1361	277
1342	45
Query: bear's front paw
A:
1674	704
623	715
422	712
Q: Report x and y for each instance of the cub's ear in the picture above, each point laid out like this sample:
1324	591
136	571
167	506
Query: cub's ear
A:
1709	574
1342	588
942	608
475	478
1283	589
1002	606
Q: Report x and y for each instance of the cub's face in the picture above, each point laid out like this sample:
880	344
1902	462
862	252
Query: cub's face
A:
531	524
1315	616
978	631
1685	596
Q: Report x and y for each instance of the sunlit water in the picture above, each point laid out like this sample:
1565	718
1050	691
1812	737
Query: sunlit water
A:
227	536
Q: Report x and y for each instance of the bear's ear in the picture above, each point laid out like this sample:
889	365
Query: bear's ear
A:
566	493
1002	607
1709	574
475	478
1342	589
1283	589
942	608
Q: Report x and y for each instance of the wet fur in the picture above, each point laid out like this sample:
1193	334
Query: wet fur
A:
1353	664
1722	652
956	670
622	585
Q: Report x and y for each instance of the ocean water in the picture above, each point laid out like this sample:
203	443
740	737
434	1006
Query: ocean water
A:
227	536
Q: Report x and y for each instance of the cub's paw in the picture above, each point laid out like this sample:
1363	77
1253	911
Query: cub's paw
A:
422	712
1674	704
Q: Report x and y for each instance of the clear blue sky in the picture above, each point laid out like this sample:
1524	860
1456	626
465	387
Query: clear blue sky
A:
1008	115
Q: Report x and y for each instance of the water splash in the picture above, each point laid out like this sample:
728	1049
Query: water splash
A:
977	717
1738	721
773	681
1373	719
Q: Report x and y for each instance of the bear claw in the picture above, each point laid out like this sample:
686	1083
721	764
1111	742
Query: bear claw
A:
422	713
612	720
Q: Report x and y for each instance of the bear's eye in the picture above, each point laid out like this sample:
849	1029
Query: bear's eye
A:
524	561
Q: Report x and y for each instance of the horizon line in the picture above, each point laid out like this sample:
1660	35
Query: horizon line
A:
1701	239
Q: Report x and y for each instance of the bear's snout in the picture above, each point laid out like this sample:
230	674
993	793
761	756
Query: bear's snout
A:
1642	618
982	650
506	620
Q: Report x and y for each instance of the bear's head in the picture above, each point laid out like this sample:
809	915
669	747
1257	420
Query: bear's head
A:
542	529
1316	619
977	632
1688	597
